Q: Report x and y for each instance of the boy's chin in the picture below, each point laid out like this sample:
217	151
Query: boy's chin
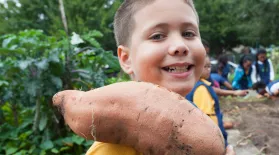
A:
182	91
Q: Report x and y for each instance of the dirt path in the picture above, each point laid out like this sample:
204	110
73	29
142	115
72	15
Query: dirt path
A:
257	121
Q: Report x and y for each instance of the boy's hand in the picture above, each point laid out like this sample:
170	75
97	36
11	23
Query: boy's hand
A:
229	150
133	113
241	92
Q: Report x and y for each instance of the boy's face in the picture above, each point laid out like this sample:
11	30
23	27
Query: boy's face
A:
207	69
247	64
262	57
165	46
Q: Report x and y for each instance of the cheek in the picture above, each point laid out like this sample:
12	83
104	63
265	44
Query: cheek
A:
199	58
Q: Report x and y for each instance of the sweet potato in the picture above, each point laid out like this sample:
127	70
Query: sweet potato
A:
147	117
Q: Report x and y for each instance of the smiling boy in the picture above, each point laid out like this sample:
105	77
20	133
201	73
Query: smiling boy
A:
158	42
164	46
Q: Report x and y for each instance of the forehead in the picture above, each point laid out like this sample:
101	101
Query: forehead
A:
262	54
165	12
207	60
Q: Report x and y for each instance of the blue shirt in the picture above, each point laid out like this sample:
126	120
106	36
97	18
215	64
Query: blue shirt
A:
217	77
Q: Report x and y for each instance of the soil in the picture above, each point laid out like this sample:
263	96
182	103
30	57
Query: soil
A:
256	119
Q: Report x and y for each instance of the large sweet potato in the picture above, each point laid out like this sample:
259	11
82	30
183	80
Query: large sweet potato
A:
147	117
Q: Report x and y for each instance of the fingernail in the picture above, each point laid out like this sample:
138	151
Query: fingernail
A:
230	147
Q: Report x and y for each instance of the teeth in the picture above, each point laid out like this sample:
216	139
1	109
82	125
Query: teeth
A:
177	69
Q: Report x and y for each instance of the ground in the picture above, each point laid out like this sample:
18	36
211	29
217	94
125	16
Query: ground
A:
257	121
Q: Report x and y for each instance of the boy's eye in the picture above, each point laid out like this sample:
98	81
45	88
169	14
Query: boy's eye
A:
188	34
157	36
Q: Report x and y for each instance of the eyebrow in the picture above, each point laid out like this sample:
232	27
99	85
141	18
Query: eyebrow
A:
165	25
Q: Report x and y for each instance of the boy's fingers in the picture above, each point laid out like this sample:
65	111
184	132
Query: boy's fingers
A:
229	150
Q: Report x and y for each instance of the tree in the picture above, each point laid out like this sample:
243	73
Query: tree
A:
33	68
82	16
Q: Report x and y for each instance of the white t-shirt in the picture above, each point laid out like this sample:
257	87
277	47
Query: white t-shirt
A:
273	88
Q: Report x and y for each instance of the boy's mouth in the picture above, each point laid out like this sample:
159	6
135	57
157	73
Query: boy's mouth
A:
178	69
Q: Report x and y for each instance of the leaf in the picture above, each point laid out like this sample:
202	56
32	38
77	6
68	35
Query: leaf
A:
24	64
54	150
54	57
78	140
43	122
21	152
7	41
7	51
76	39
32	88
96	34
64	148
11	150
25	135
112	61
43	65
4	83
57	81
47	145
93	42
43	152
32	148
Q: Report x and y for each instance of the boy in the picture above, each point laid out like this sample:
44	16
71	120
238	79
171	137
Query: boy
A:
262	68
158	42
206	99
271	90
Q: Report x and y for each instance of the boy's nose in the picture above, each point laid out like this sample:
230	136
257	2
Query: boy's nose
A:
178	49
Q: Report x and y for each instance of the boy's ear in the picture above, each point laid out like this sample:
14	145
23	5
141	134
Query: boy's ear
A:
124	59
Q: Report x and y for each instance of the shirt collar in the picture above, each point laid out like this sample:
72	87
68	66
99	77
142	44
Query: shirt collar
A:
206	82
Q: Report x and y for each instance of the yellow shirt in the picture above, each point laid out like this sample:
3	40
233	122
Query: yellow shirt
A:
204	101
99	148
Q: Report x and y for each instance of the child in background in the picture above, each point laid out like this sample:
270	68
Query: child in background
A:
217	76
158	42
262	68
223	61
271	90
206	99
216	84
242	75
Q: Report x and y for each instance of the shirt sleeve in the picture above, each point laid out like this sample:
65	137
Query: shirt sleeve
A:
271	70
99	148
222	80
274	88
254	74
237	77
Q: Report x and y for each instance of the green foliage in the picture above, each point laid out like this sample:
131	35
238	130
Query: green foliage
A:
224	23
227	23
82	16
22	139
36	66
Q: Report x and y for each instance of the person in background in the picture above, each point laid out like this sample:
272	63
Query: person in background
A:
206	46
242	75
215	84
262	68
216	75
271	90
206	99
223	61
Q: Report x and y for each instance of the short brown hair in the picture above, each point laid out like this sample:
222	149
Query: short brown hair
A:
124	23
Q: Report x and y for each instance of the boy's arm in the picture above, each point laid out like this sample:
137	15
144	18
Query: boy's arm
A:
144	116
228	85
223	92
254	74
271	70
